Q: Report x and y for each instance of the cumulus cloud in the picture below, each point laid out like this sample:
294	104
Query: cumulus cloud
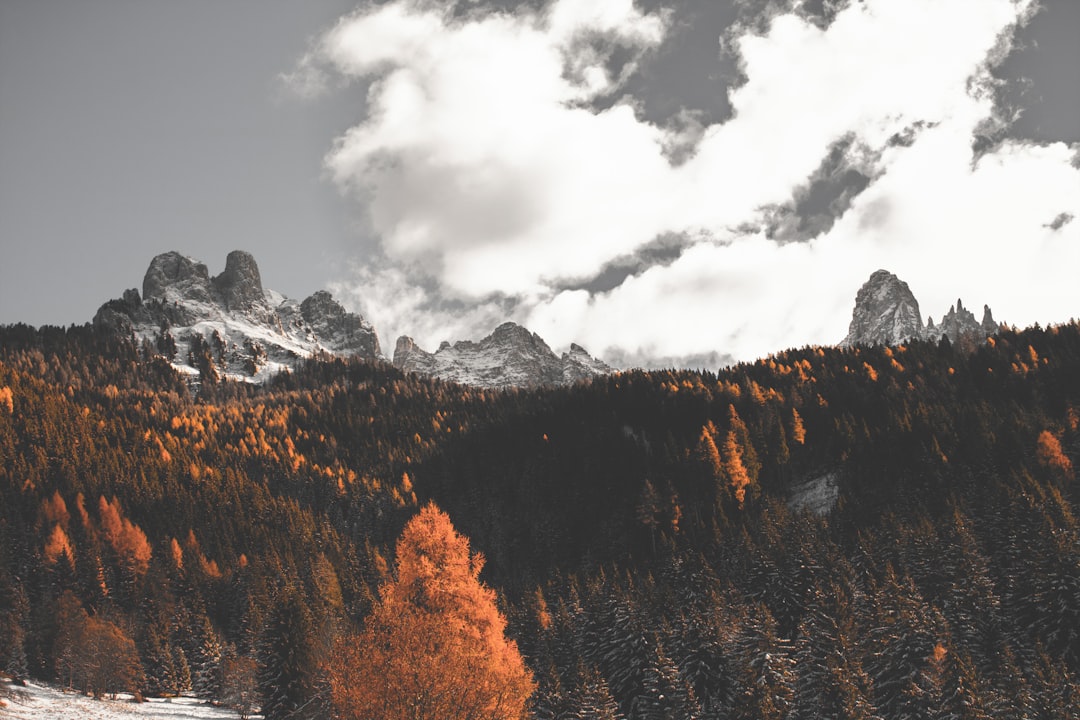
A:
488	167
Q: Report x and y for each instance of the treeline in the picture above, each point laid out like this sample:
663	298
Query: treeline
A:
644	531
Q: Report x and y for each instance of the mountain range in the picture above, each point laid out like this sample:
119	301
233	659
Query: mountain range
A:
229	326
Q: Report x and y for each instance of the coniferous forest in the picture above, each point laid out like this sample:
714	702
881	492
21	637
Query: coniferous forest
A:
826	533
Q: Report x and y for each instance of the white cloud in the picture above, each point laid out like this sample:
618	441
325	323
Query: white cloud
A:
393	300
477	152
480	161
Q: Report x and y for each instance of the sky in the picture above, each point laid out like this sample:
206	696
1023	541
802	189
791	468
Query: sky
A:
668	184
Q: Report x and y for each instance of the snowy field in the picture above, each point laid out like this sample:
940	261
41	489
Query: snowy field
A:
42	702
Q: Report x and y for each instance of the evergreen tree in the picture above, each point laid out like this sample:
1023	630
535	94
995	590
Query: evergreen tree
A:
766	683
288	664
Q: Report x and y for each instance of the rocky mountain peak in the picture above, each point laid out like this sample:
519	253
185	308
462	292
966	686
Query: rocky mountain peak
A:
886	312
239	285
172	277
518	337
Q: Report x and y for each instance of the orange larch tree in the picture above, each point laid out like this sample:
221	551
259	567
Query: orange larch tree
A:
1051	455
434	646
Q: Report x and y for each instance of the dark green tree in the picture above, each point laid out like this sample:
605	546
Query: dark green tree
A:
288	662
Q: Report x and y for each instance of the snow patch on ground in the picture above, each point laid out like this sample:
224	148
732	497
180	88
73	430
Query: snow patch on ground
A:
42	702
816	494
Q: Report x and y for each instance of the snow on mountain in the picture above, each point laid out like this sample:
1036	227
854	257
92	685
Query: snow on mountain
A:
887	313
509	356
229	325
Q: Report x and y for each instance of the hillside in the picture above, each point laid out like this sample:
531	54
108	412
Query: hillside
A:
647	533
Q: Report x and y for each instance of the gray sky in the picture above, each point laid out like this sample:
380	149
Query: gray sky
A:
662	182
132	127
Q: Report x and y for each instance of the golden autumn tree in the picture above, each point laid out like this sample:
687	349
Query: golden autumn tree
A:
740	461
706	451
1051	455
434	646
798	430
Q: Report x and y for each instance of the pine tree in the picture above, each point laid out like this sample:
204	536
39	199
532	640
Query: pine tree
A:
766	681
902	644
664	693
288	663
159	658
830	681
203	650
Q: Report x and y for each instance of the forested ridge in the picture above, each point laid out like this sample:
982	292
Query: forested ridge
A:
643	534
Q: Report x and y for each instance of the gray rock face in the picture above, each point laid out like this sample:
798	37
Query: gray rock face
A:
959	324
988	325
511	356
173	278
250	332
240	286
886	313
408	355
333	325
578	365
956	323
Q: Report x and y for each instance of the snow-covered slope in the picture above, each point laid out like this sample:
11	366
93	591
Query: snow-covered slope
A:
228	324
41	702
509	356
887	313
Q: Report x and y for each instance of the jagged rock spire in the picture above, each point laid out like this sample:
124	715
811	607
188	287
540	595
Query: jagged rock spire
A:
886	313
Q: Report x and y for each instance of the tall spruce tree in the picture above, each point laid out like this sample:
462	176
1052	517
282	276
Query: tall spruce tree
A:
288	663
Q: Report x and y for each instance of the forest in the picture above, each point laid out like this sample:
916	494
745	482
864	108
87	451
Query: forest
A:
857	533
